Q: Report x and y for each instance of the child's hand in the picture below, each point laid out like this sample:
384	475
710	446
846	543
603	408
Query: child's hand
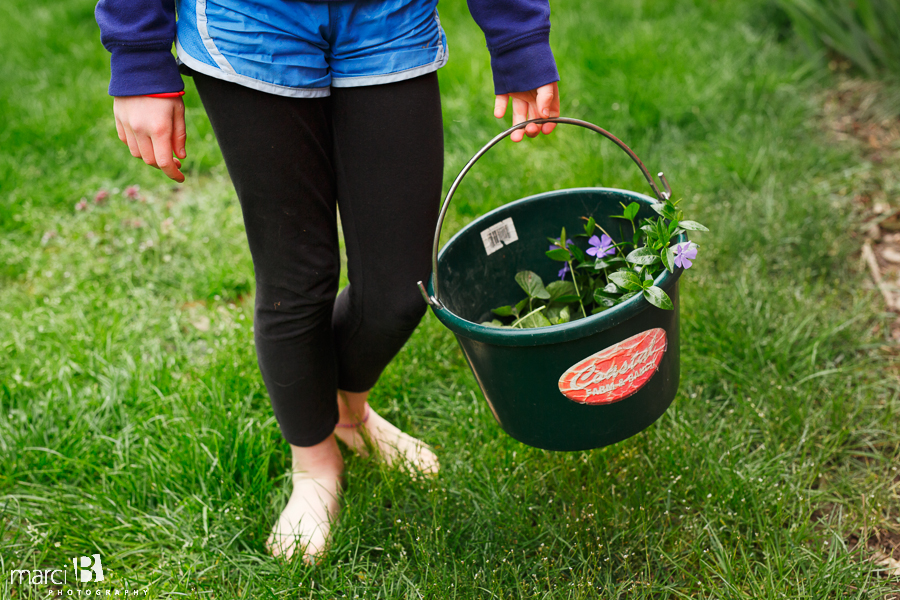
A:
154	129
541	103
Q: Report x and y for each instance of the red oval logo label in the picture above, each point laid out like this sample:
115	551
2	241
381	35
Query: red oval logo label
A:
617	372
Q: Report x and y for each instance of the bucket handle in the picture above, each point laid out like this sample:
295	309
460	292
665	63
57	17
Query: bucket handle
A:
663	196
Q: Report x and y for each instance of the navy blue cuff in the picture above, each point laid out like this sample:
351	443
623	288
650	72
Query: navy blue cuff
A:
525	66
137	71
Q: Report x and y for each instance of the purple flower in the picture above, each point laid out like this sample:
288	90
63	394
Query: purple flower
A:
684	254
601	246
132	192
565	269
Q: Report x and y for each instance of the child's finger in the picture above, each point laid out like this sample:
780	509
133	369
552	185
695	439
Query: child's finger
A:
131	140
500	103
548	104
145	144
544	100
120	131
165	162
532	130
179	132
520	112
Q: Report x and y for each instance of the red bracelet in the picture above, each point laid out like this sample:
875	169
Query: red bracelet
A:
165	95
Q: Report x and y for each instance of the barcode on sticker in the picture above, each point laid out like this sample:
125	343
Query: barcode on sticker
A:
496	236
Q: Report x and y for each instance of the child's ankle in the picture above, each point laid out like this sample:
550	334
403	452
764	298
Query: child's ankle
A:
323	460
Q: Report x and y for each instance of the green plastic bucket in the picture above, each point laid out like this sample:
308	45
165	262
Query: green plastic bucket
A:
580	385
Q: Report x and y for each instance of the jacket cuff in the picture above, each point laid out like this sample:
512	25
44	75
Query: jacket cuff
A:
524	65
141	70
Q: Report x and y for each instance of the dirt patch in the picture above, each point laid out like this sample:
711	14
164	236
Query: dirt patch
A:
882	548
866	115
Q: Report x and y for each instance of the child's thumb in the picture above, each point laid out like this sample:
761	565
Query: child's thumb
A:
544	101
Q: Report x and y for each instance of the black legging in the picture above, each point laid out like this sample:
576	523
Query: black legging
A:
377	153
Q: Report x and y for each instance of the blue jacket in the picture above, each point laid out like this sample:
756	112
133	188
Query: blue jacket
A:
140	33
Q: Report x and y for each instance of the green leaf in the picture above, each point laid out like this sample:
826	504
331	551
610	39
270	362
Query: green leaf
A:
626	279
493	323
627	296
658	207
579	253
535	320
503	311
552	312
560	254
519	308
668	259
657	297
601	295
557	289
589	226
631	210
607	303
692	226
532	284
642	256
558	313
612	288
567	299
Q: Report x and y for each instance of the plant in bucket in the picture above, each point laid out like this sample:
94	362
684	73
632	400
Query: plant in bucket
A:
592	357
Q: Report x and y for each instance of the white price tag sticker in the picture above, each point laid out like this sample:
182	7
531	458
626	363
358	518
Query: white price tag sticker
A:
496	236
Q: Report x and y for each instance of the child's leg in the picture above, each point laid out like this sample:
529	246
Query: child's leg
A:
388	159
278	152
279	155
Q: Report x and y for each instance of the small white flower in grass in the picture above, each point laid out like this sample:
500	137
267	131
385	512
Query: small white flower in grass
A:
709	495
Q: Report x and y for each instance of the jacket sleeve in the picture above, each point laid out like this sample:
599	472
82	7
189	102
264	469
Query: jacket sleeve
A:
518	38
139	34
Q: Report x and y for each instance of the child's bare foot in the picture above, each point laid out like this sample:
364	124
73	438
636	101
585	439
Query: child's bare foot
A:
360	424
305	523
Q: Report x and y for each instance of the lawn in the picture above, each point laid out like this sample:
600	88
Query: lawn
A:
134	422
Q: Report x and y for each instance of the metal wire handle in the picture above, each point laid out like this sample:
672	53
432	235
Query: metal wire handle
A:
663	196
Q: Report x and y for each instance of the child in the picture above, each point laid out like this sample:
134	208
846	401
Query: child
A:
319	105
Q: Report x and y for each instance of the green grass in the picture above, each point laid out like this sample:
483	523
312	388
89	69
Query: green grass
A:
134	422
865	32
